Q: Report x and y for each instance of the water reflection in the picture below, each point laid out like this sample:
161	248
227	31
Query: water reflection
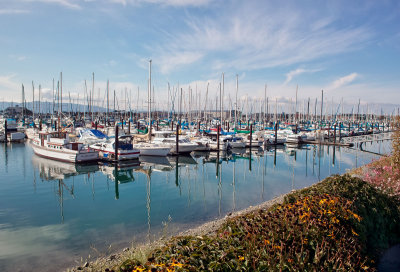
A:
55	170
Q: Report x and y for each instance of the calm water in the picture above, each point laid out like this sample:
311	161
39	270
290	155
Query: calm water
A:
52	213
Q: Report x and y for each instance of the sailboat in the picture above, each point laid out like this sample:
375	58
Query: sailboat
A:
57	145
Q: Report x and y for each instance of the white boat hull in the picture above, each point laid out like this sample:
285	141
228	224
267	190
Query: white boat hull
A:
65	155
183	148
122	156
154	151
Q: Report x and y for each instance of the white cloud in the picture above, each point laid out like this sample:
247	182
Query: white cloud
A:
343	81
18	57
7	84
13	11
174	3
27	241
291	74
122	2
253	37
71	4
298	71
172	61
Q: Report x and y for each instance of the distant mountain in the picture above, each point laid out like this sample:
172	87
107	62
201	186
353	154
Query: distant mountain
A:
47	107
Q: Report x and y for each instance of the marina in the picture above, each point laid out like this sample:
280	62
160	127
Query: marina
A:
125	124
81	185
54	213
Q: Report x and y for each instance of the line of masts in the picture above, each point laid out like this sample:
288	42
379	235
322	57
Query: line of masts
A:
190	106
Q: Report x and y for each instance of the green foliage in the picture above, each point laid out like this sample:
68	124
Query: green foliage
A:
380	227
340	224
396	143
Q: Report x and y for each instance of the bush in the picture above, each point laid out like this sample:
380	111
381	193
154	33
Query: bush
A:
342	224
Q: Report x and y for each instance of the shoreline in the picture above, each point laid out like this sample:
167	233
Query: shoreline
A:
107	263
207	228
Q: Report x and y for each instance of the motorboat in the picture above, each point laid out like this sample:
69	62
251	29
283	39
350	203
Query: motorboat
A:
126	150
165	138
234	141
151	149
57	146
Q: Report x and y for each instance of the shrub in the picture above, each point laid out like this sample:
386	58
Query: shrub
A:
342	224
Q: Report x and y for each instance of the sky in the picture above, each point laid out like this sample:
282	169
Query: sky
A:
348	49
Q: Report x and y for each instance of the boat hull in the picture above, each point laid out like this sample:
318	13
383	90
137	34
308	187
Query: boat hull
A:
66	155
122	156
161	152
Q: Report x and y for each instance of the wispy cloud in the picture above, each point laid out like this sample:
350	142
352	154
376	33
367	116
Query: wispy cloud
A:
298	71
71	4
7	83
14	11
18	57
175	3
291	74
174	60
254	37
343	81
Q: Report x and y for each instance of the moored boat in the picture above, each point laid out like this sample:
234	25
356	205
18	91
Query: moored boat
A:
125	150
56	146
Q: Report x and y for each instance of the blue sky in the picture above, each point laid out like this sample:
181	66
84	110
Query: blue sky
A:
350	49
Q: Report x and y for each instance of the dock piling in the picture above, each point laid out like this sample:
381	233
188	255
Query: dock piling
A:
116	143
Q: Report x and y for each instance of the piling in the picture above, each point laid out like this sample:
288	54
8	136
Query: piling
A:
218	129
334	133
116	143
251	135
129	127
276	133
329	132
177	139
5	131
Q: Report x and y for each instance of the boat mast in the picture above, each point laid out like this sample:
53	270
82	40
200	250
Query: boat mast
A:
59	107
91	107
33	104
295	109
322	104
108	99
236	105
40	87
149	99
23	105
61	93
53	96
265	104
205	105
222	98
